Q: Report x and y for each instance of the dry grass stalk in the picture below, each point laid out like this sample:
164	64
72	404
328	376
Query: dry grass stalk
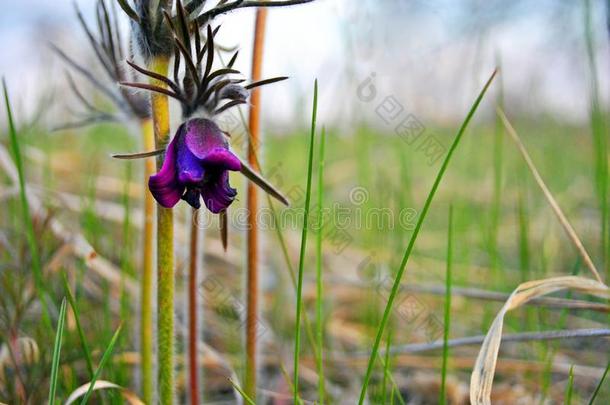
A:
562	218
484	369
128	396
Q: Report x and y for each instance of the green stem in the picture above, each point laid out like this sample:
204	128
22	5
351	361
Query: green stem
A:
570	387
447	320
599	133
297	327
25	212
165	252
146	326
319	281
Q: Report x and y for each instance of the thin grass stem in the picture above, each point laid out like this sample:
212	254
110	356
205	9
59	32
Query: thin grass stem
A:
299	304
551	200
57	352
79	328
570	387
418	225
599	386
243	394
283	245
319	280
25	212
447	320
103	361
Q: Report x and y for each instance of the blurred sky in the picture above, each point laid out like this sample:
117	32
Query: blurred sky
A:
431	55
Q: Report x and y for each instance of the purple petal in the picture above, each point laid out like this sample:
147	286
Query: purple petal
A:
202	136
164	186
223	159
217	193
190	168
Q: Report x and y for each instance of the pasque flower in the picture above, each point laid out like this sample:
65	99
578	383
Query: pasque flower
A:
198	160
197	164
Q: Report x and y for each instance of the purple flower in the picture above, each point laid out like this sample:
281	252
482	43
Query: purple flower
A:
196	164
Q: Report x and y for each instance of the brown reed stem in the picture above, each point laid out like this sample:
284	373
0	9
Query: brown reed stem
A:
192	303
146	304
252	207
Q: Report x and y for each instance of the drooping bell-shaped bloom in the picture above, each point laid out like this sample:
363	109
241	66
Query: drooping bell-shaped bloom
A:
196	165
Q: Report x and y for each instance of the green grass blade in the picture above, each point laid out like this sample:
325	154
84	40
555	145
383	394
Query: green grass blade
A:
386	366
523	234
570	387
599	386
598	130
81	333
103	362
278	232
57	351
551	349
447	320
418	225
319	281
387	375
297	327
25	208
246	398
292	275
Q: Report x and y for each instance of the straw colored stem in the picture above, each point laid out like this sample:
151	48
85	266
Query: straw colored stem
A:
165	251
192	300
146	326
252	207
551	200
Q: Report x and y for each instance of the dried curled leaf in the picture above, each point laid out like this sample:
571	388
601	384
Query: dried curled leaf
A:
482	376
129	396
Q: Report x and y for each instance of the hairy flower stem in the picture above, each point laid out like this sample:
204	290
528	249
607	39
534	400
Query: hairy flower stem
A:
146	326
165	250
252	207
192	303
